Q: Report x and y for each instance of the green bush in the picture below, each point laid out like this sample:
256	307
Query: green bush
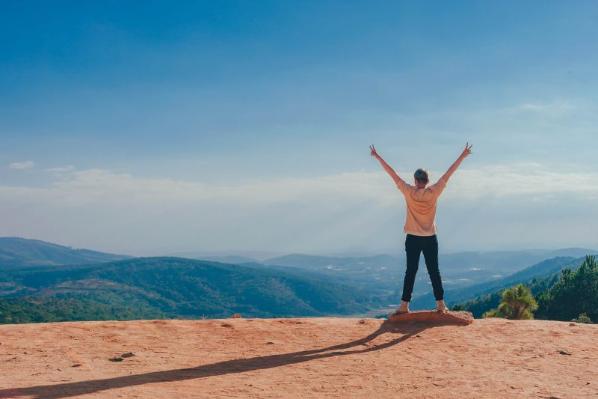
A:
516	303
583	318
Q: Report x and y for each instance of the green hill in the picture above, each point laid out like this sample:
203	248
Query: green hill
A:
562	295
542	270
169	287
481	304
21	252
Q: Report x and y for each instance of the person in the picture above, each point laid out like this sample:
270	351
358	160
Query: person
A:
420	226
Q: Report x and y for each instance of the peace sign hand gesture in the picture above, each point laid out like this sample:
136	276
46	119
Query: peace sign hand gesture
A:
467	150
373	152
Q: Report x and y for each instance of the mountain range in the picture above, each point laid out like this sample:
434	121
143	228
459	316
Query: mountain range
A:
169	287
41	281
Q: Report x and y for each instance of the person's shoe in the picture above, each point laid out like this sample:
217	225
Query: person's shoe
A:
403	308
441	306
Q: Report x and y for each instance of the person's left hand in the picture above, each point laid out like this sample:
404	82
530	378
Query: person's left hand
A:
373	152
467	150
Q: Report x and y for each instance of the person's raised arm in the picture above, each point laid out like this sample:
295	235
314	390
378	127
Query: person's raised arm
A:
455	165
391	172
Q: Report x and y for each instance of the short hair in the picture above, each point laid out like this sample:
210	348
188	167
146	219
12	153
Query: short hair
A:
421	175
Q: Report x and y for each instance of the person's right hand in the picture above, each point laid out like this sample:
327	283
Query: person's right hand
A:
373	152
467	150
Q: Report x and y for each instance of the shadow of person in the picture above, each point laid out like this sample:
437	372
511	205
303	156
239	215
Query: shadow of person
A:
359	346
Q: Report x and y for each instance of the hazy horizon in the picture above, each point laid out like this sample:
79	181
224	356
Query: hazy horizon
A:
265	254
233	126
260	255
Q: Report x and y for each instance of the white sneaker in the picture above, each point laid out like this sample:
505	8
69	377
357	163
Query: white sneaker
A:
441	307
404	308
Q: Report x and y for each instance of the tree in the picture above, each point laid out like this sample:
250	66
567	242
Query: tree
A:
517	303
575	292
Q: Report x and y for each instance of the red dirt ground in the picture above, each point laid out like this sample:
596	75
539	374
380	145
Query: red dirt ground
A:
299	358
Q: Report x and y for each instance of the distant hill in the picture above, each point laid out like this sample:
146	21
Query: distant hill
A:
169	287
383	274
231	259
378	274
22	252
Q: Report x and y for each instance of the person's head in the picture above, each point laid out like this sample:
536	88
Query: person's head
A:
421	178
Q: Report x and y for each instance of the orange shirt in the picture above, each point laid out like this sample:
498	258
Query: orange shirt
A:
421	207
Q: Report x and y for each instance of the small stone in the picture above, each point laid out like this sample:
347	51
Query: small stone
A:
116	359
76	365
562	352
572	324
127	354
269	343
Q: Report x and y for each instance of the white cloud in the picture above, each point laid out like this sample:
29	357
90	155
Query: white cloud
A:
524	180
360	209
22	165
553	108
59	170
517	179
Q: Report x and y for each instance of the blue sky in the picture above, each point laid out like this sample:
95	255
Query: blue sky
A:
156	127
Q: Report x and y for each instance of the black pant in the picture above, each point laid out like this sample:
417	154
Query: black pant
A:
414	245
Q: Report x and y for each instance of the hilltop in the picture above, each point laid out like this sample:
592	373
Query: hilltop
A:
16	252
307	357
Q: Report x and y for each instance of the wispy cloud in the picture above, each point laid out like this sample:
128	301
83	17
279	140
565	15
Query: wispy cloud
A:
553	108
22	165
58	170
517	179
526	179
356	210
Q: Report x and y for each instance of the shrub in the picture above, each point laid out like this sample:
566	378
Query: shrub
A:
517	303
582	318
